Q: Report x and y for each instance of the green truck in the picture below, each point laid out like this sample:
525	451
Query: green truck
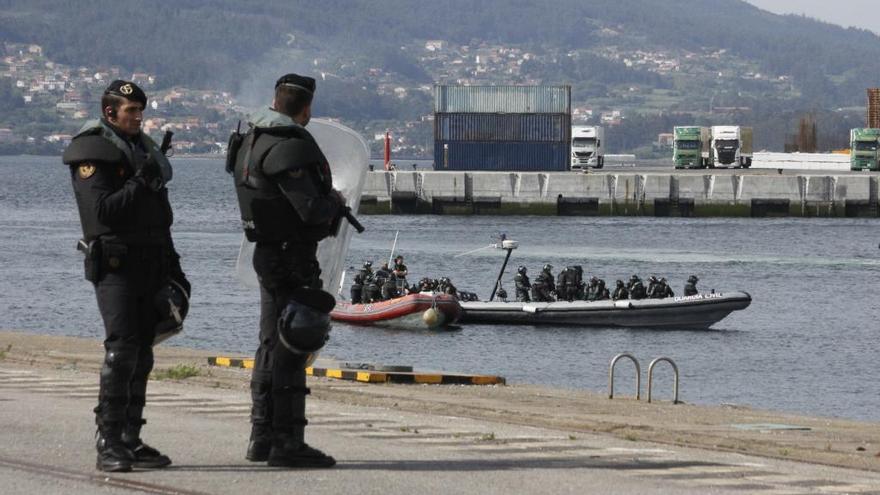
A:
864	149
691	147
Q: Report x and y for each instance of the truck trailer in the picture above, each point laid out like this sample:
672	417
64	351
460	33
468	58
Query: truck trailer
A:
864	149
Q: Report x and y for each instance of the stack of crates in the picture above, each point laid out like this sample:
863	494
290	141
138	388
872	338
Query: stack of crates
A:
502	128
874	108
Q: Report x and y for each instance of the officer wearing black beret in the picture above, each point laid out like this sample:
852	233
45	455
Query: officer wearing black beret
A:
287	202
119	176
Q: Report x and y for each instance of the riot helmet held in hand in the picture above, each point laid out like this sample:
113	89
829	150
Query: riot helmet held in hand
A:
172	305
304	324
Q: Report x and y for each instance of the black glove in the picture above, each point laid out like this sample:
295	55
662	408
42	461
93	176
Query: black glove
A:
150	175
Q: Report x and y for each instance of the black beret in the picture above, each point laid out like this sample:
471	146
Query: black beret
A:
127	90
297	81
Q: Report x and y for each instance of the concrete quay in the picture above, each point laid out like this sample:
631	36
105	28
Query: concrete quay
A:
684	193
402	439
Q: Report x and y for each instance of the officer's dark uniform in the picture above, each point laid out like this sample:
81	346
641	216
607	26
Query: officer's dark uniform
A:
357	289
287	203
400	272
523	285
119	184
637	289
690	288
620	292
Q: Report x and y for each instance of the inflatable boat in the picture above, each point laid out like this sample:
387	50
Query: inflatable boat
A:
688	312
414	311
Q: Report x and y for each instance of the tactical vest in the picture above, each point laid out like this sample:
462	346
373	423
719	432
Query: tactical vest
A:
266	214
149	218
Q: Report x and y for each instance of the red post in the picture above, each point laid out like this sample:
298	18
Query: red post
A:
387	150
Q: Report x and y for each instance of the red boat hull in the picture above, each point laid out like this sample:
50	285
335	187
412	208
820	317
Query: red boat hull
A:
407	311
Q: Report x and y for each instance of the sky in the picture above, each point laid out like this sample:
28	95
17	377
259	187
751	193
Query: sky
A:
858	13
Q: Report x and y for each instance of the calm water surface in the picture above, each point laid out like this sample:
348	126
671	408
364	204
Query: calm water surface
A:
807	344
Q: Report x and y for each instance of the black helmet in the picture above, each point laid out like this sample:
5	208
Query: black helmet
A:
521	269
594	279
548	267
693	279
620	283
663	279
652	278
172	305
634	278
368	264
304	324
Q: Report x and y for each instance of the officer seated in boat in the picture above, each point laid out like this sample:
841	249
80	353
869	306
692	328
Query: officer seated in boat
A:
366	272
357	289
568	283
636	288
446	287
400	271
544	287
523	285
654	289
601	291
502	294
371	292
389	288
690	288
620	291
665	289
384	271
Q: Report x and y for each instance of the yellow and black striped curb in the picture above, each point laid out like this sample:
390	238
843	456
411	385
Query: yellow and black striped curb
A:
368	376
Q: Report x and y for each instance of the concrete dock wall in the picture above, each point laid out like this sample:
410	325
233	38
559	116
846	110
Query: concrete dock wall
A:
621	193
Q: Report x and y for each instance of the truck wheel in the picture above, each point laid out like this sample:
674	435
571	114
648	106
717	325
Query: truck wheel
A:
600	162
748	163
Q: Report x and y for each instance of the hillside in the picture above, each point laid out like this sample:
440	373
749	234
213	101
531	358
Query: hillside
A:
660	59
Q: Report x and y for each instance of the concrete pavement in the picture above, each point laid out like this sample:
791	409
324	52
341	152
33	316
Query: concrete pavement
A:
393	439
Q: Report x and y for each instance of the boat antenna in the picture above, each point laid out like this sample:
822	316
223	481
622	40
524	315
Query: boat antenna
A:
393	247
507	245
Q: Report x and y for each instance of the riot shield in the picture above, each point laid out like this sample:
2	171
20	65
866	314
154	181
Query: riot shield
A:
349	158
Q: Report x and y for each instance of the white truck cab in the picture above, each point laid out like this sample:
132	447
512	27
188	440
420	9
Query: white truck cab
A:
587	147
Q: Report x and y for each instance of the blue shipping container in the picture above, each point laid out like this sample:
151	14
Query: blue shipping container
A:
527	127
501	156
502	99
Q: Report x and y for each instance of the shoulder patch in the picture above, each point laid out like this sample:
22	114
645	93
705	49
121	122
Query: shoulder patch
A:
85	170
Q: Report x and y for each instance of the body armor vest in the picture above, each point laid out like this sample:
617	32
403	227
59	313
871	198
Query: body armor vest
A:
146	220
266	213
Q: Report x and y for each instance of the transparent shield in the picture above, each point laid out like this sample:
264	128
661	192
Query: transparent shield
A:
349	157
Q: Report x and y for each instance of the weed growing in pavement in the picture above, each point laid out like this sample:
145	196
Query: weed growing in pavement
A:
631	437
487	437
5	352
177	372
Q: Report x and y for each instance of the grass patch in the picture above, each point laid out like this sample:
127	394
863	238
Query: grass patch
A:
5	352
487	437
177	372
631	437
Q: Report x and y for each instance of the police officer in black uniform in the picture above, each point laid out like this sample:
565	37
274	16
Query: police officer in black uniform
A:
523	285
690	288
288	204
620	291
119	176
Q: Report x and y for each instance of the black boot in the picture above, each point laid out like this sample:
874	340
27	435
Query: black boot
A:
260	443
145	457
289	451
113	455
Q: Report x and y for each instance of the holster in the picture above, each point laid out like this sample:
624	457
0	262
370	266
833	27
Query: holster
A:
93	259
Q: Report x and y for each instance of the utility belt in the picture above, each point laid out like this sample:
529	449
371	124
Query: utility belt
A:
103	256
